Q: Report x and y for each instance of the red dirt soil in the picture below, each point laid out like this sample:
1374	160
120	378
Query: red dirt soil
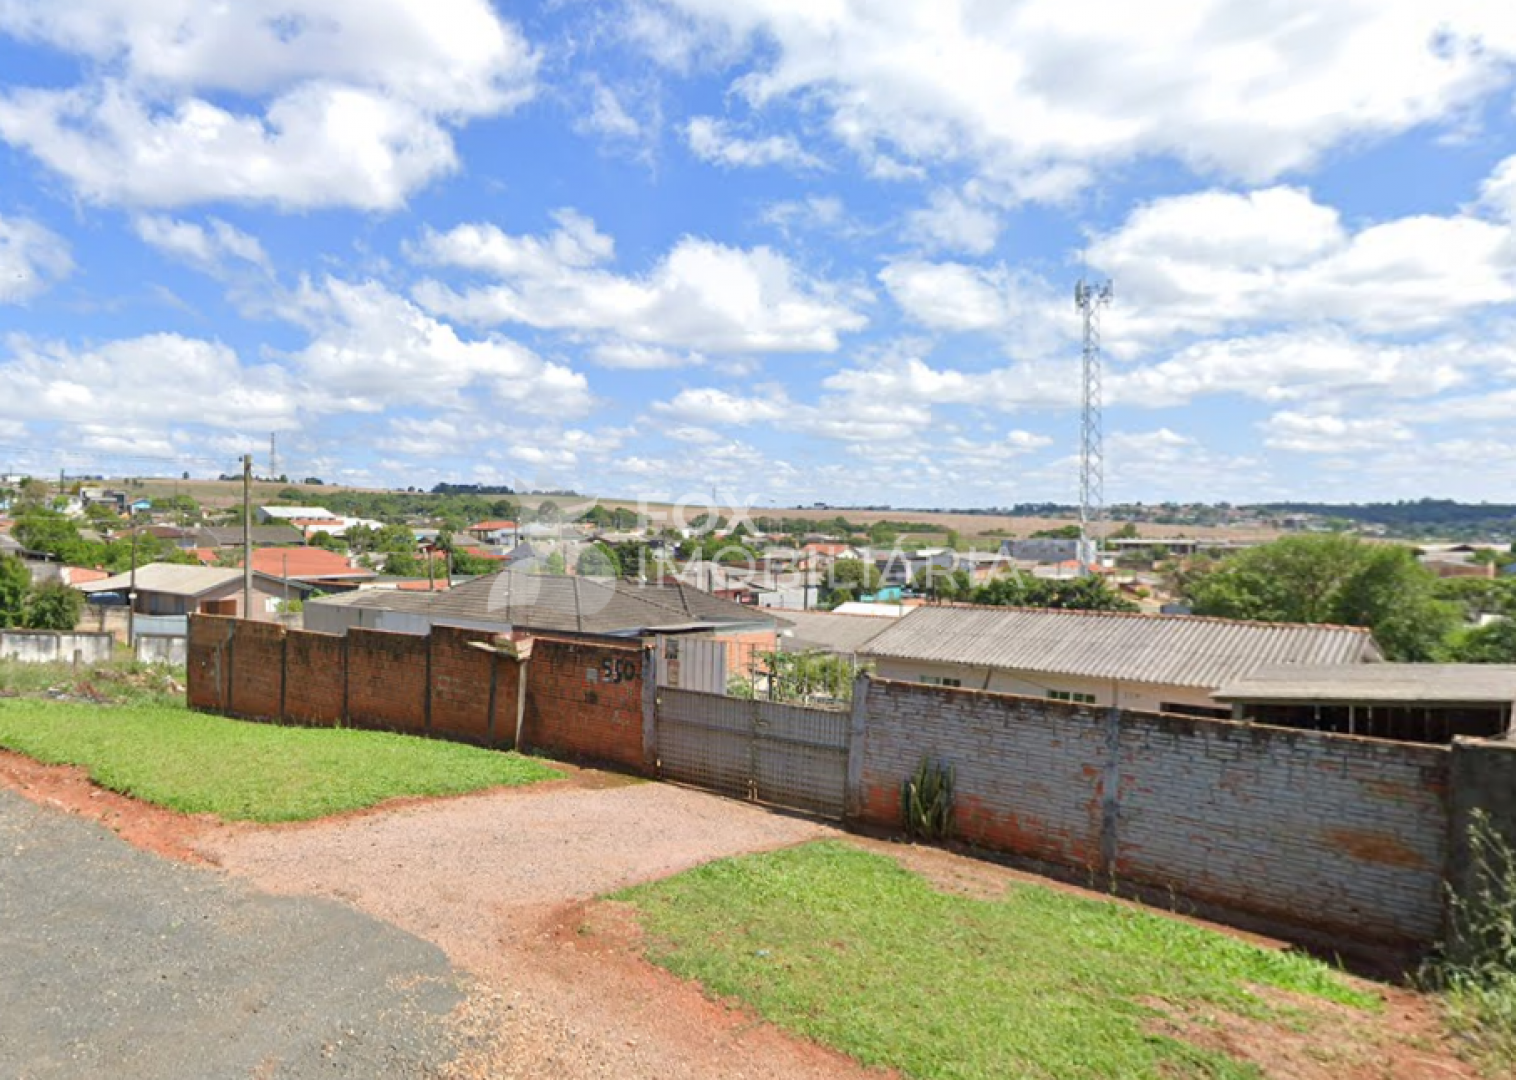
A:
564	990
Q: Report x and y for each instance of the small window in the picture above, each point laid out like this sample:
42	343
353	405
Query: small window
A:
1071	697
939	680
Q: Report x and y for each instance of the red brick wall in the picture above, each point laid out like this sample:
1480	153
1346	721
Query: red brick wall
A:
584	699
461	688
315	669
386	680
206	665
257	662
584	696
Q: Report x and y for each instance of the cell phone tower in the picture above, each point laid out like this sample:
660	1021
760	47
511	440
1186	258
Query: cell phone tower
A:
1089	299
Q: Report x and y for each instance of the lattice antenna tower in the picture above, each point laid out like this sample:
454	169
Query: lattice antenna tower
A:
1089	299
273	455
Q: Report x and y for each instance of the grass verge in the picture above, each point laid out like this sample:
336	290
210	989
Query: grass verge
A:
121	681
242	771
846	947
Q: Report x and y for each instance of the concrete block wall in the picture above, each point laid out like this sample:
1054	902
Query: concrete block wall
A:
1026	771
1348	833
584	699
170	649
55	646
465	705
1337	833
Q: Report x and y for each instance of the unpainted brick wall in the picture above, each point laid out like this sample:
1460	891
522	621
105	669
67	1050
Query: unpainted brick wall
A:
315	677
584	699
462	696
207	666
386	680
257	671
1341	833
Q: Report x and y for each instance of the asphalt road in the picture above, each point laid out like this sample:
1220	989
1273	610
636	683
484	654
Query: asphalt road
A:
116	963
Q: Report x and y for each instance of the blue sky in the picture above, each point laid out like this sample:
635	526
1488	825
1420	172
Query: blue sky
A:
795	251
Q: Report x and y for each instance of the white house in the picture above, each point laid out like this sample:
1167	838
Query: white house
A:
1155	663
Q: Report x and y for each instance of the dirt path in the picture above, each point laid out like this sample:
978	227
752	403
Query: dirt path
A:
504	883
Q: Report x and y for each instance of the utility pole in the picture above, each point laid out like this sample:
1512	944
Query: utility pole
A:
131	597
1089	299
273	457
247	536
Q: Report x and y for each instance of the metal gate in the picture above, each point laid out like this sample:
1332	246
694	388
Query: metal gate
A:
780	754
691	663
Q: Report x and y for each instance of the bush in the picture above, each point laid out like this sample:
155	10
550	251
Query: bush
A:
1475	970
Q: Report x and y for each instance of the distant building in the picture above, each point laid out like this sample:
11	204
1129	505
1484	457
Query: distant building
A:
1157	663
289	514
1041	549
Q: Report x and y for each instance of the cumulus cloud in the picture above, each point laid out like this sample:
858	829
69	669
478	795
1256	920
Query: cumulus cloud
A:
209	247
1203	263
340	102
32	259
1220	84
372	349
701	295
712	140
144	382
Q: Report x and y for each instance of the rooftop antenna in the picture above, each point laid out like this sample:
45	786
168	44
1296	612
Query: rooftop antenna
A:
1089	298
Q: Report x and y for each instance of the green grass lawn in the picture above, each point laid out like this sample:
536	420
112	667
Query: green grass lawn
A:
196	763
849	949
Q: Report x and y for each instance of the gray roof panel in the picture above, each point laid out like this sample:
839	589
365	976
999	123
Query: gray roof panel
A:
1172	650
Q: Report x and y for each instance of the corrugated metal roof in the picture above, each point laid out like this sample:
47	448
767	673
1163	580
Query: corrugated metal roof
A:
1171	650
1421	684
169	578
548	602
830	632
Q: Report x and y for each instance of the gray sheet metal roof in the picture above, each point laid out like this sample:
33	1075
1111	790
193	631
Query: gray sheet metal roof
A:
574	604
1418	684
171	579
1170	650
829	632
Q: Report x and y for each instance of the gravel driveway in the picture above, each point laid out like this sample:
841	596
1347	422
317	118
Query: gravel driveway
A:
117	963
500	882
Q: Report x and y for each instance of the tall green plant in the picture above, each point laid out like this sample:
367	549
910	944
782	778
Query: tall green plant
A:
1475	970
927	801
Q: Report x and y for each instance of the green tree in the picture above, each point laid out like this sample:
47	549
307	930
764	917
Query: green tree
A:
847	579
597	560
1333	578
941	583
403	564
1089	593
555	564
52	606
1494	643
15	582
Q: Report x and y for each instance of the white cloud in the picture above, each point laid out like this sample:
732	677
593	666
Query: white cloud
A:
607	116
711	140
701	295
1202	263
1498	192
32	258
1327	433
952	222
1027	89
144	382
207	246
631	356
372	349
812	212
1292	366
347	103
